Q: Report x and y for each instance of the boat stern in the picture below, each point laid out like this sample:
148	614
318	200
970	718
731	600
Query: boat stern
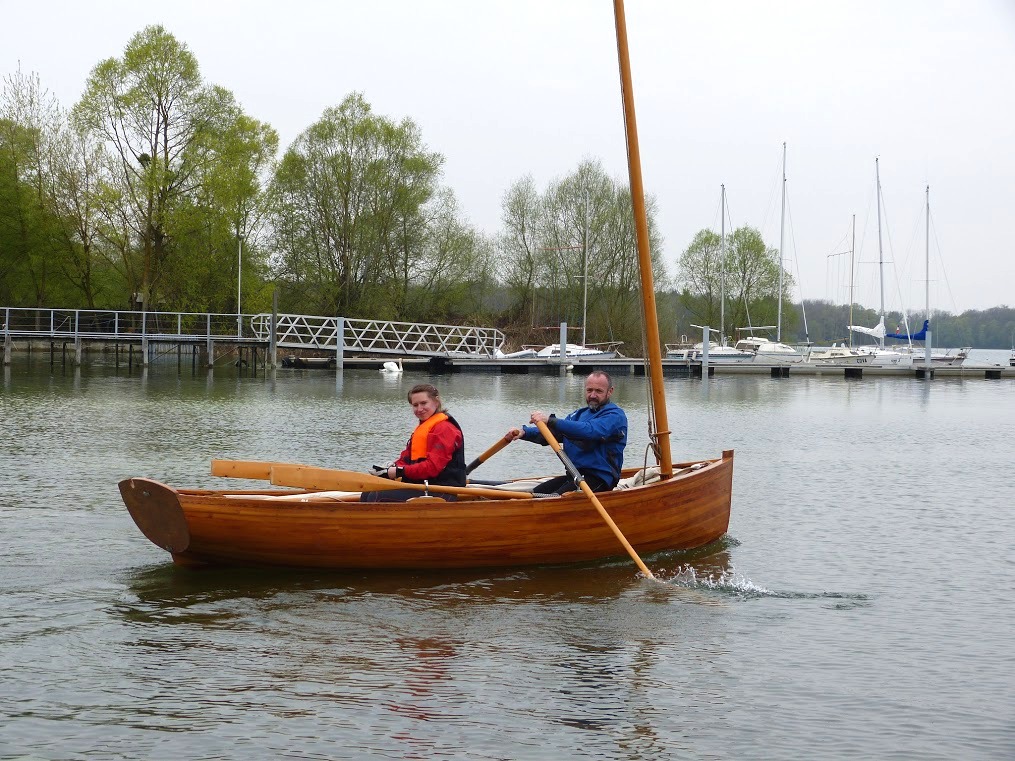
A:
156	510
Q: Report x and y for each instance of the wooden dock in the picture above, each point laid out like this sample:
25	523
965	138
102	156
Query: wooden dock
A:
675	368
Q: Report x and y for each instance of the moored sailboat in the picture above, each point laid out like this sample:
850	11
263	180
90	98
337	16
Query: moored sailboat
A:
920	355
765	350
878	355
686	506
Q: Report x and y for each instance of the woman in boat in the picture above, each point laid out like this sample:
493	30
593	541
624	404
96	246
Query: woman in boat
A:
435	452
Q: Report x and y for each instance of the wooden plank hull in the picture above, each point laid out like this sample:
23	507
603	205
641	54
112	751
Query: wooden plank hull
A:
242	528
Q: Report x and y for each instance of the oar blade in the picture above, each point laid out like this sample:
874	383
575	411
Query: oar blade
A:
259	470
309	477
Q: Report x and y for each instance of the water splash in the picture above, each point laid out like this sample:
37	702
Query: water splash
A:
726	580
732	583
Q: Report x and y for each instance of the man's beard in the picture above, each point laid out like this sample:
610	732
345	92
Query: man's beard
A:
594	405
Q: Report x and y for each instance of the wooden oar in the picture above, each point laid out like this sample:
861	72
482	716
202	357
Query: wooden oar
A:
580	480
501	443
258	470
307	477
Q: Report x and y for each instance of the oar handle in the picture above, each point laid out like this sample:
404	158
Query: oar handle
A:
501	443
573	471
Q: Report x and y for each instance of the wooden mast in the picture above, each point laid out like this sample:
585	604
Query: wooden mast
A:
661	428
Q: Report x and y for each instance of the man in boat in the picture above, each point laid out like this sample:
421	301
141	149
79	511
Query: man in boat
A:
593	437
435	452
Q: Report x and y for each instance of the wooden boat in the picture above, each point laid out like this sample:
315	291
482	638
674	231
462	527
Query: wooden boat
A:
309	363
316	529
309	527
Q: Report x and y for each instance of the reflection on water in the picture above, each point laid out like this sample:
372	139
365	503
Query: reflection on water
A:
164	592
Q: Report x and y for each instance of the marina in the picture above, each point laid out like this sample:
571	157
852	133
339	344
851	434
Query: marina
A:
322	343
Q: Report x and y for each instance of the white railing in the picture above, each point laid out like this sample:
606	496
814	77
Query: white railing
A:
379	336
121	325
293	331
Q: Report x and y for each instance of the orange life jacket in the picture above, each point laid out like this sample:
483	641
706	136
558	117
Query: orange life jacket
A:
417	442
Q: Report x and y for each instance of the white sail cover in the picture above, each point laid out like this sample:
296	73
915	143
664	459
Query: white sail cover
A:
878	331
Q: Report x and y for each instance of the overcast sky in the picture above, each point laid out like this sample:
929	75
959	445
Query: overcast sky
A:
507	88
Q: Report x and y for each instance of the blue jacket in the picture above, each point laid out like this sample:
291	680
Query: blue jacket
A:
594	441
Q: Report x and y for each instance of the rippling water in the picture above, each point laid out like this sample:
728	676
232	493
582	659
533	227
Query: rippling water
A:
860	607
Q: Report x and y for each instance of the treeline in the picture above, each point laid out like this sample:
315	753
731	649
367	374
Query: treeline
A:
983	329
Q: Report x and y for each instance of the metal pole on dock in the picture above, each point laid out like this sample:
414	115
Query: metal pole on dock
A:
273	338
563	348
77	338
7	336
705	331
144	339
211	345
239	282
339	343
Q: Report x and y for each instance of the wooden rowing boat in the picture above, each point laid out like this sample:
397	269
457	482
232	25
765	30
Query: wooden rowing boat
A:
309	527
316	529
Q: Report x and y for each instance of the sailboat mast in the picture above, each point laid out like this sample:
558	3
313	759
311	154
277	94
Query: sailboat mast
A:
852	252
661	431
585	275
782	232
927	342
881	256
927	252
722	271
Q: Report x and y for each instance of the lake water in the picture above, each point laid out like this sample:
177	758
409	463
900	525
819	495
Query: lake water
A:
861	606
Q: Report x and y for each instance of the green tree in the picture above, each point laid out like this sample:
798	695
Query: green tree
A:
224	219
29	226
152	109
583	223
77	174
749	272
521	210
360	226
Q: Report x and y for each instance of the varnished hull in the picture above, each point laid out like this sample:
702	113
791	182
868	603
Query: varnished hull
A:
199	526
